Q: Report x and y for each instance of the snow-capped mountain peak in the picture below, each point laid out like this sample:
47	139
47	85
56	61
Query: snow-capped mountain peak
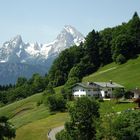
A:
17	39
70	29
23	59
16	50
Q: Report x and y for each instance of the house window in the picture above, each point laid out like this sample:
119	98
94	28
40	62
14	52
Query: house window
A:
76	90
82	95
76	95
82	90
89	90
95	89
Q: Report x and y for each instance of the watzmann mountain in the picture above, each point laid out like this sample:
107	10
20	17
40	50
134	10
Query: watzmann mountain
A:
18	58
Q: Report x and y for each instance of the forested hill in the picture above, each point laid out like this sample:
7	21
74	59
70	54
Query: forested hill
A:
117	44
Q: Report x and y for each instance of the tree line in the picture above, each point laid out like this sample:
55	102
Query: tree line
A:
23	88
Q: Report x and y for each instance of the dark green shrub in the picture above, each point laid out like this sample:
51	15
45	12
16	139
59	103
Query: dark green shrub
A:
120	59
55	102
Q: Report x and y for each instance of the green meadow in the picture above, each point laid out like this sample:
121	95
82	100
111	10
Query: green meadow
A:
127	74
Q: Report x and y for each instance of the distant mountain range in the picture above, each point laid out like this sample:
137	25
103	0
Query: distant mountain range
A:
23	59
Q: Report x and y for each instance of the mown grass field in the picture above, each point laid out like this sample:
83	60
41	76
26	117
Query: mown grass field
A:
32	122
38	130
111	106
26	110
127	74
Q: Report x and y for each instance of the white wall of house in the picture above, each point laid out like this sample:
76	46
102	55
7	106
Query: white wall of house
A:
106	92
136	95
103	93
79	91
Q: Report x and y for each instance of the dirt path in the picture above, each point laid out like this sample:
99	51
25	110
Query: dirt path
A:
53	132
107	70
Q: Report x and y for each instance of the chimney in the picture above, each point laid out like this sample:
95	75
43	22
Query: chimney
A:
88	83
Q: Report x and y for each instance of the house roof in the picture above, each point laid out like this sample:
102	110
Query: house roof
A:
91	85
109	84
85	85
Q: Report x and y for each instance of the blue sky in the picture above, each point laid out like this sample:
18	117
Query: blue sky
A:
42	20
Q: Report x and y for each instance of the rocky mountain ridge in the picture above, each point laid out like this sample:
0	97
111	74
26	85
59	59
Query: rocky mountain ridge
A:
34	55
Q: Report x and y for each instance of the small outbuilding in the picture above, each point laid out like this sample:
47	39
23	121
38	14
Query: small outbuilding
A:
136	93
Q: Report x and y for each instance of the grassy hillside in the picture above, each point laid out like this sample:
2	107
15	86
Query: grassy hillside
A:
30	120
26	110
127	74
38	130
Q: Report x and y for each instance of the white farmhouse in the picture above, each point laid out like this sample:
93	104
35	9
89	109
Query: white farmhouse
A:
97	89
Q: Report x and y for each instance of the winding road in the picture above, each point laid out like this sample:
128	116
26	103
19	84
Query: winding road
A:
53	132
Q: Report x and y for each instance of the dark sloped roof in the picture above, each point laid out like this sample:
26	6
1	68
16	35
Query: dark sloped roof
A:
109	84
85	85
91	85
